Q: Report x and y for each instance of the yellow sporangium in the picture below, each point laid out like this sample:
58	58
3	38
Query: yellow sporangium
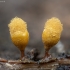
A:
19	33
51	33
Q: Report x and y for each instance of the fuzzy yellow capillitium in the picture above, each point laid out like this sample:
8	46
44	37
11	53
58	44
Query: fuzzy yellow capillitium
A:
52	32
19	33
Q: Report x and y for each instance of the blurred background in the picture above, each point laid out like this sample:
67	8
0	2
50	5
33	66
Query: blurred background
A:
35	13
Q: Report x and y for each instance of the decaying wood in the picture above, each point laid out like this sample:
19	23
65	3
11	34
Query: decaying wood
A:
27	64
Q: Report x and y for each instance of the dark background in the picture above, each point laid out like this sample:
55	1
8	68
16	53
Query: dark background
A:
35	13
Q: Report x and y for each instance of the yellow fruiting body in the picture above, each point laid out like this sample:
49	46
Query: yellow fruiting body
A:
19	33
52	32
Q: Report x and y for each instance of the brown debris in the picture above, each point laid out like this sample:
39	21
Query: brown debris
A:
27	64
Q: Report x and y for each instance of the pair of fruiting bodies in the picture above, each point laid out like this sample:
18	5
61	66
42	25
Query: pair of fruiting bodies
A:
20	35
